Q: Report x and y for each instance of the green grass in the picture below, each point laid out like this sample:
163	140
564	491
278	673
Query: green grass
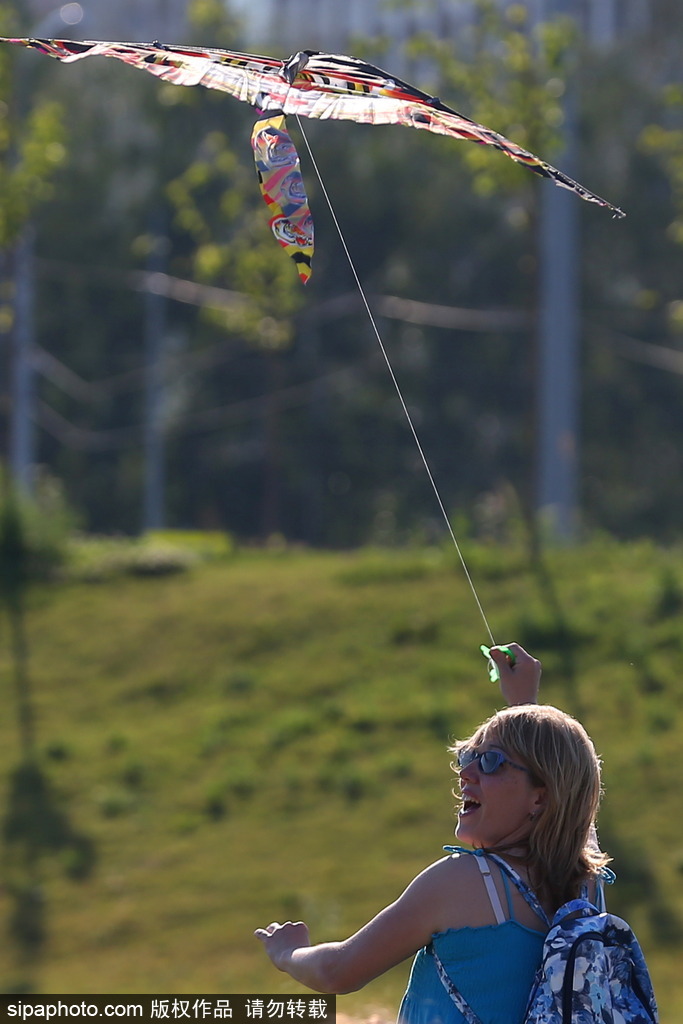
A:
265	737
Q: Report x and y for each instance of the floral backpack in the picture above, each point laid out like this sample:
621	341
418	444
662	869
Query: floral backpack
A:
592	972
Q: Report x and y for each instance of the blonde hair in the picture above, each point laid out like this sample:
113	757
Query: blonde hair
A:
562	847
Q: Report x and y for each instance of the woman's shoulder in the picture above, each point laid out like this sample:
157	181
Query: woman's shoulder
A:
447	880
458	864
452	888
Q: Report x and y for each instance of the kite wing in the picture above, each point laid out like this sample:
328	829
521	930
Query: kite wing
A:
334	86
309	84
243	75
282	187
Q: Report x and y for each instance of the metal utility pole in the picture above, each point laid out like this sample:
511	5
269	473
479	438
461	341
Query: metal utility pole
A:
559	337
602	22
21	437
155	392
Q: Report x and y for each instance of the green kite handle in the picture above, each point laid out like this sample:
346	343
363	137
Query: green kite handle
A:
494	672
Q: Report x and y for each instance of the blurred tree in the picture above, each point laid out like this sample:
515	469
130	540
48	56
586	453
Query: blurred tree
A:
31	150
276	412
633	466
240	248
664	140
33	534
31	137
33	537
514	73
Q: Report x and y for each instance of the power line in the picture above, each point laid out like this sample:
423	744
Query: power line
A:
392	307
292	397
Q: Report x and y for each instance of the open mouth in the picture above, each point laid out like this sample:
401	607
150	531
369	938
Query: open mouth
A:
469	806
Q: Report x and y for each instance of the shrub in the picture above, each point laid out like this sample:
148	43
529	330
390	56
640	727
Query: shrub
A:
34	532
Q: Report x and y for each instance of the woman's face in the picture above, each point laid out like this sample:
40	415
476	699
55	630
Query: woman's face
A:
498	808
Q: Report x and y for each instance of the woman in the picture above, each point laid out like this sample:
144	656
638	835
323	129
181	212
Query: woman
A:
529	792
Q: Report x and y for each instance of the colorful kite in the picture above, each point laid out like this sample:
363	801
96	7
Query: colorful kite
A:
308	84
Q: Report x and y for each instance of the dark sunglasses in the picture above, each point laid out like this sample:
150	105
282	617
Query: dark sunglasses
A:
488	761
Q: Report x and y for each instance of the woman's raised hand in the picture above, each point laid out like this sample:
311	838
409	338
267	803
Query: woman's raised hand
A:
520	675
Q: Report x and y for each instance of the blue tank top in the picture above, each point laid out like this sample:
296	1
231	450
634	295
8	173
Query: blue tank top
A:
492	966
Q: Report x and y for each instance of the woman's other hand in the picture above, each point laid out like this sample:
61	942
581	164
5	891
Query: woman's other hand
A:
280	940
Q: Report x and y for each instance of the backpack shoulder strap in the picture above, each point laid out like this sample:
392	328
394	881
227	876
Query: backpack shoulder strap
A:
525	890
575	910
456	996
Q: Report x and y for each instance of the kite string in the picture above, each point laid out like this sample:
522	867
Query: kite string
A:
396	384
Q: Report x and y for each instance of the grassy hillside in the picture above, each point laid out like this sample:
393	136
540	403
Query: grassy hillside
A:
264	737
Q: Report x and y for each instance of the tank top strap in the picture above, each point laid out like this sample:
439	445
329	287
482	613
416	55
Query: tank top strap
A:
525	890
508	896
494	898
